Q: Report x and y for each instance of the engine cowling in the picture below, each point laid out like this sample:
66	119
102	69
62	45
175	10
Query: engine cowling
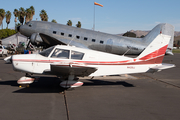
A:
35	39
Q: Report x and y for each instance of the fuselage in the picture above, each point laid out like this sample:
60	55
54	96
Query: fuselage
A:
105	63
83	38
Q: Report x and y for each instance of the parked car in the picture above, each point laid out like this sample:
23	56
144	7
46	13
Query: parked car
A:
3	51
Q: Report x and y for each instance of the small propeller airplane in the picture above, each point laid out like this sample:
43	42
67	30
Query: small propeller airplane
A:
70	62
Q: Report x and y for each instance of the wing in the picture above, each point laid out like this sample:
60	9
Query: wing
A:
55	40
50	40
77	70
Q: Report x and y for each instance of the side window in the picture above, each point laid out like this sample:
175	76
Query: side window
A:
60	53
85	38
54	32
76	55
77	37
93	40
101	42
62	34
70	35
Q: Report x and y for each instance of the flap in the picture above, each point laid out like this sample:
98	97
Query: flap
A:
77	70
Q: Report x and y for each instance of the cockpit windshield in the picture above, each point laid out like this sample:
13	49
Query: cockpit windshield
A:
29	24
46	52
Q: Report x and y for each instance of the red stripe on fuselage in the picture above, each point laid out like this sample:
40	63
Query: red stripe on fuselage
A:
152	58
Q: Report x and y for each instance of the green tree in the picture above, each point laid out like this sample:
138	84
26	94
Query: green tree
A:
22	13
78	24
6	33
129	34
32	12
8	17
2	15
28	15
69	23
54	21
43	15
16	14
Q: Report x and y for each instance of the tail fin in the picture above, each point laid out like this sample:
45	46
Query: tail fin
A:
155	51
165	29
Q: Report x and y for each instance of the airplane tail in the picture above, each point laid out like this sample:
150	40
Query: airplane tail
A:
155	51
165	29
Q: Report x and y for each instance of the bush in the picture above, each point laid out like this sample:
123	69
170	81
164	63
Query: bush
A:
6	33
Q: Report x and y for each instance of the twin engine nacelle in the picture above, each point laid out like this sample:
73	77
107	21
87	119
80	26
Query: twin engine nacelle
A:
36	39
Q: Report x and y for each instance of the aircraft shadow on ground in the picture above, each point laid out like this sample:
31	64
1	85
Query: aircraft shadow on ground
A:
51	85
96	82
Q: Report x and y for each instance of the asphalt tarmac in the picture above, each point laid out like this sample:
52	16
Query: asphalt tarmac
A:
132	97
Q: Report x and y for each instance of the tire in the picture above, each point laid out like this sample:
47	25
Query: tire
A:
2	54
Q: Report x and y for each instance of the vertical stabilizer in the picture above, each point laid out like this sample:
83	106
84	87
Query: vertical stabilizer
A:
155	51
165	29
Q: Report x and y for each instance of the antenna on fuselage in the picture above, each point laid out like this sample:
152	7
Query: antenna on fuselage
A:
126	51
71	40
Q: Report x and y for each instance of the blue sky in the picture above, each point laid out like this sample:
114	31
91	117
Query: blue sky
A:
117	16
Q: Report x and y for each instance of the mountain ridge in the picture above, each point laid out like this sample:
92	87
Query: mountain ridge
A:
139	33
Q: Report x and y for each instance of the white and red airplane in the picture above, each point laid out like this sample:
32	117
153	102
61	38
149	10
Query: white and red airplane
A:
70	62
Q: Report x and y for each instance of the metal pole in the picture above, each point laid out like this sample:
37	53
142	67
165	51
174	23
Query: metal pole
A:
94	19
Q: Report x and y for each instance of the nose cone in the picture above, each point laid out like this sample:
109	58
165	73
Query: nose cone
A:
18	28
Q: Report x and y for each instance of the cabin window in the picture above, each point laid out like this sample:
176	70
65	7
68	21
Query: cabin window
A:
85	38
46	52
77	37
70	35
60	53
76	55
62	34
101	42
54	32
93	40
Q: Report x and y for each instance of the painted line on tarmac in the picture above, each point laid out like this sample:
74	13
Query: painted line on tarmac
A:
161	81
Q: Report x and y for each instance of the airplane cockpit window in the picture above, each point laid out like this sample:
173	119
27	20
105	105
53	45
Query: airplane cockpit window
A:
60	53
76	55
29	24
46	52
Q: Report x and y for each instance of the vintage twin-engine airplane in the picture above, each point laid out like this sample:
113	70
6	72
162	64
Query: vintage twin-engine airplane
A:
70	62
51	34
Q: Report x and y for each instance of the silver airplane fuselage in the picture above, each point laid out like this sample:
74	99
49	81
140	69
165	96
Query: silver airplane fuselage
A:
53	33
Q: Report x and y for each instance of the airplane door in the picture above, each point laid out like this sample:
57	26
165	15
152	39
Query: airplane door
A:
109	44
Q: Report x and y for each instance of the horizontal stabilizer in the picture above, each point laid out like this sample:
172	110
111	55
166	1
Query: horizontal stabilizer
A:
163	66
160	67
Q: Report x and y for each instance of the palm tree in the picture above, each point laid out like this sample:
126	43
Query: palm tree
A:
28	15
16	14
32	12
8	17
43	15
78	24
2	15
69	23
22	13
54	21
